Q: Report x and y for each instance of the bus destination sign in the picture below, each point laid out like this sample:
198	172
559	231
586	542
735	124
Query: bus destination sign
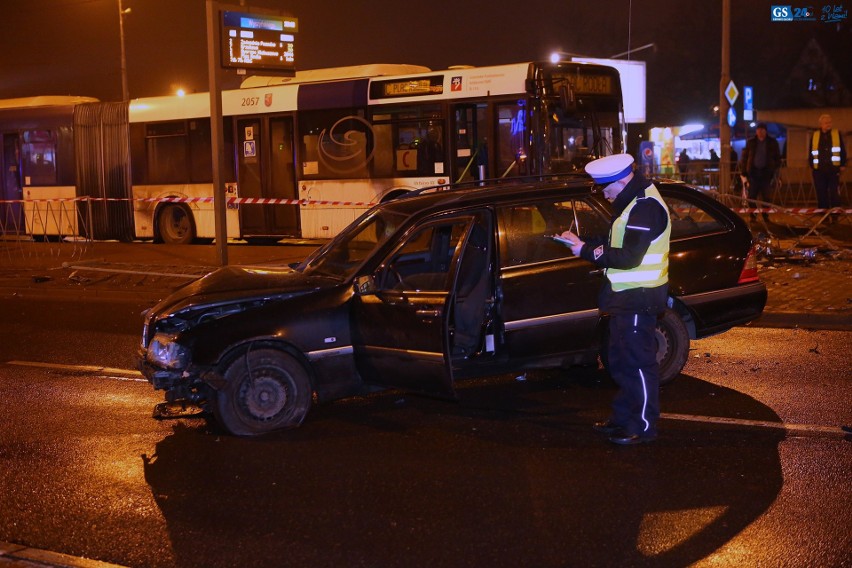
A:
407	87
258	41
591	84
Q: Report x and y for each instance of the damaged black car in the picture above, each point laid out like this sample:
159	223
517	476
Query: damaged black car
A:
426	290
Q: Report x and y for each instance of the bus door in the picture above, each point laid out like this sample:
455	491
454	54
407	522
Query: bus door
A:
11	214
509	147
266	170
470	142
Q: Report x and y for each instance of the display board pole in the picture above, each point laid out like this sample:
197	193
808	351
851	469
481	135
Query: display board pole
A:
214	78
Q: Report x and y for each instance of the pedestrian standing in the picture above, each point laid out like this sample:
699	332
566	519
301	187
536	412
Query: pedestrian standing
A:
683	163
635	255
827	160
760	163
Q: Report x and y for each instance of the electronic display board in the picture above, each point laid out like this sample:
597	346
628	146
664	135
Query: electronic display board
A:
258	41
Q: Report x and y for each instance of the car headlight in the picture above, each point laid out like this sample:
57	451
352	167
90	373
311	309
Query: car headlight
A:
164	351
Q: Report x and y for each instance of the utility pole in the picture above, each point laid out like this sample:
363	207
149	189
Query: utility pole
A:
214	82
724	105
121	14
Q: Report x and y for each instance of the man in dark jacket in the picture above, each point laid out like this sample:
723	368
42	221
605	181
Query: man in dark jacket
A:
760	162
636	258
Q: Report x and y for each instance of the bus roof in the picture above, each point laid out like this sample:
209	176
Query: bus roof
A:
45	101
335	73
345	87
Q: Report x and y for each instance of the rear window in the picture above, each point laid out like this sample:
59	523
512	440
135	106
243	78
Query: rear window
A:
689	220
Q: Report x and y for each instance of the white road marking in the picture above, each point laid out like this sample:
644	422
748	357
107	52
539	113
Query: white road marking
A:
131	374
797	428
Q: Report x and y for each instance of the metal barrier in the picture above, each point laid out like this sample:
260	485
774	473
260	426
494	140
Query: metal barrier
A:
62	224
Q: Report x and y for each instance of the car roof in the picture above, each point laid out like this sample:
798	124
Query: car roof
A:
430	200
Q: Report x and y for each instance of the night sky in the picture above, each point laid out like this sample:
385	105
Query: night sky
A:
63	47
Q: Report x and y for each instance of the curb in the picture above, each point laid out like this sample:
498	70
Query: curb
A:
19	555
830	322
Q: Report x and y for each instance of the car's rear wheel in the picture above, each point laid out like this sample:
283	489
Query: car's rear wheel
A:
672	346
266	390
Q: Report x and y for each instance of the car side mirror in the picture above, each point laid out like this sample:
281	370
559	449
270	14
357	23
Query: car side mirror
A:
365	285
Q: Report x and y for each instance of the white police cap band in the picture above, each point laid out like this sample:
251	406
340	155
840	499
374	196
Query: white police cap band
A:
610	168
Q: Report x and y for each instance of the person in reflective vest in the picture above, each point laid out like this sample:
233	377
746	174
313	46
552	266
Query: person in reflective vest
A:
827	159
635	255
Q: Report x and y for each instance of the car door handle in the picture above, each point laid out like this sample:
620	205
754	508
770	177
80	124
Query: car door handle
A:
598	272
428	313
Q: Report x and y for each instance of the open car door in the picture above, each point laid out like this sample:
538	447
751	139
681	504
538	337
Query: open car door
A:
401	316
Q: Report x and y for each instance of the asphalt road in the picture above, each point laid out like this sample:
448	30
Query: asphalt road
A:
509	475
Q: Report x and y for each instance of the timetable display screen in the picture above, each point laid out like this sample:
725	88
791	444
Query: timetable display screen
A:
258	41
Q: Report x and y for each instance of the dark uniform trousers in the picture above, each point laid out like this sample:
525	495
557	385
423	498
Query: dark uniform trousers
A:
633	366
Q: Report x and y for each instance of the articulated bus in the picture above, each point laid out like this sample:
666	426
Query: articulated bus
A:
304	156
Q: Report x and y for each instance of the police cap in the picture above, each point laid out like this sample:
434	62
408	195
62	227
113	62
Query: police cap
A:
610	168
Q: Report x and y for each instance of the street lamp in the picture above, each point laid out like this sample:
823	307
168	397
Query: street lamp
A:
122	12
556	56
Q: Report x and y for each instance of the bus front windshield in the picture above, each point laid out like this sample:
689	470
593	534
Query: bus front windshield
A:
580	125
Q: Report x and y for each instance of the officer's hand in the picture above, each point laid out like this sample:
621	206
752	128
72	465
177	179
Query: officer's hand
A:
578	244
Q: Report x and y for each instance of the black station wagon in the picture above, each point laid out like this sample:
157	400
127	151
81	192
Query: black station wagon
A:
428	289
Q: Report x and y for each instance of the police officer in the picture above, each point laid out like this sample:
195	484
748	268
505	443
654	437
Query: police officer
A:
636	258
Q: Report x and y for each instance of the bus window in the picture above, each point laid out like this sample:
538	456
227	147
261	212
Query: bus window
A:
38	157
178	152
166	152
200	151
409	141
335	144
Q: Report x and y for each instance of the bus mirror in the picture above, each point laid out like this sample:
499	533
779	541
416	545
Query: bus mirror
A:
365	285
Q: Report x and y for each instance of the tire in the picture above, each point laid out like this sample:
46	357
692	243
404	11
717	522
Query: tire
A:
266	390
672	346
174	225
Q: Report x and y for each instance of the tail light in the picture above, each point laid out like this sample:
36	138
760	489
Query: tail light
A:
749	271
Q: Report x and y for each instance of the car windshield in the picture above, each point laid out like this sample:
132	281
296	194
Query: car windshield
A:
342	256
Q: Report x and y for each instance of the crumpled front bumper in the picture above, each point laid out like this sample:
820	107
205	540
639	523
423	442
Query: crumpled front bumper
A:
161	379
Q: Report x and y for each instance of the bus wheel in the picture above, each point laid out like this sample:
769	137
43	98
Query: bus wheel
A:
174	225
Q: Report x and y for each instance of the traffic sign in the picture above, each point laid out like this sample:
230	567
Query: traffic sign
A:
748	103
731	92
732	117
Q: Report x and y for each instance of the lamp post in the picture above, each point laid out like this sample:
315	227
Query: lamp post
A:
122	12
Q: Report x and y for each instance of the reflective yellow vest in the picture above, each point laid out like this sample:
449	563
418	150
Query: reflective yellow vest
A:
835	148
653	271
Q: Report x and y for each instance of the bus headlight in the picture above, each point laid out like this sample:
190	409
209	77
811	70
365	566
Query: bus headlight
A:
164	351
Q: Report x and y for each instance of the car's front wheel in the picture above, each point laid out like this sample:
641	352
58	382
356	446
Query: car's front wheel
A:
672	346
266	390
